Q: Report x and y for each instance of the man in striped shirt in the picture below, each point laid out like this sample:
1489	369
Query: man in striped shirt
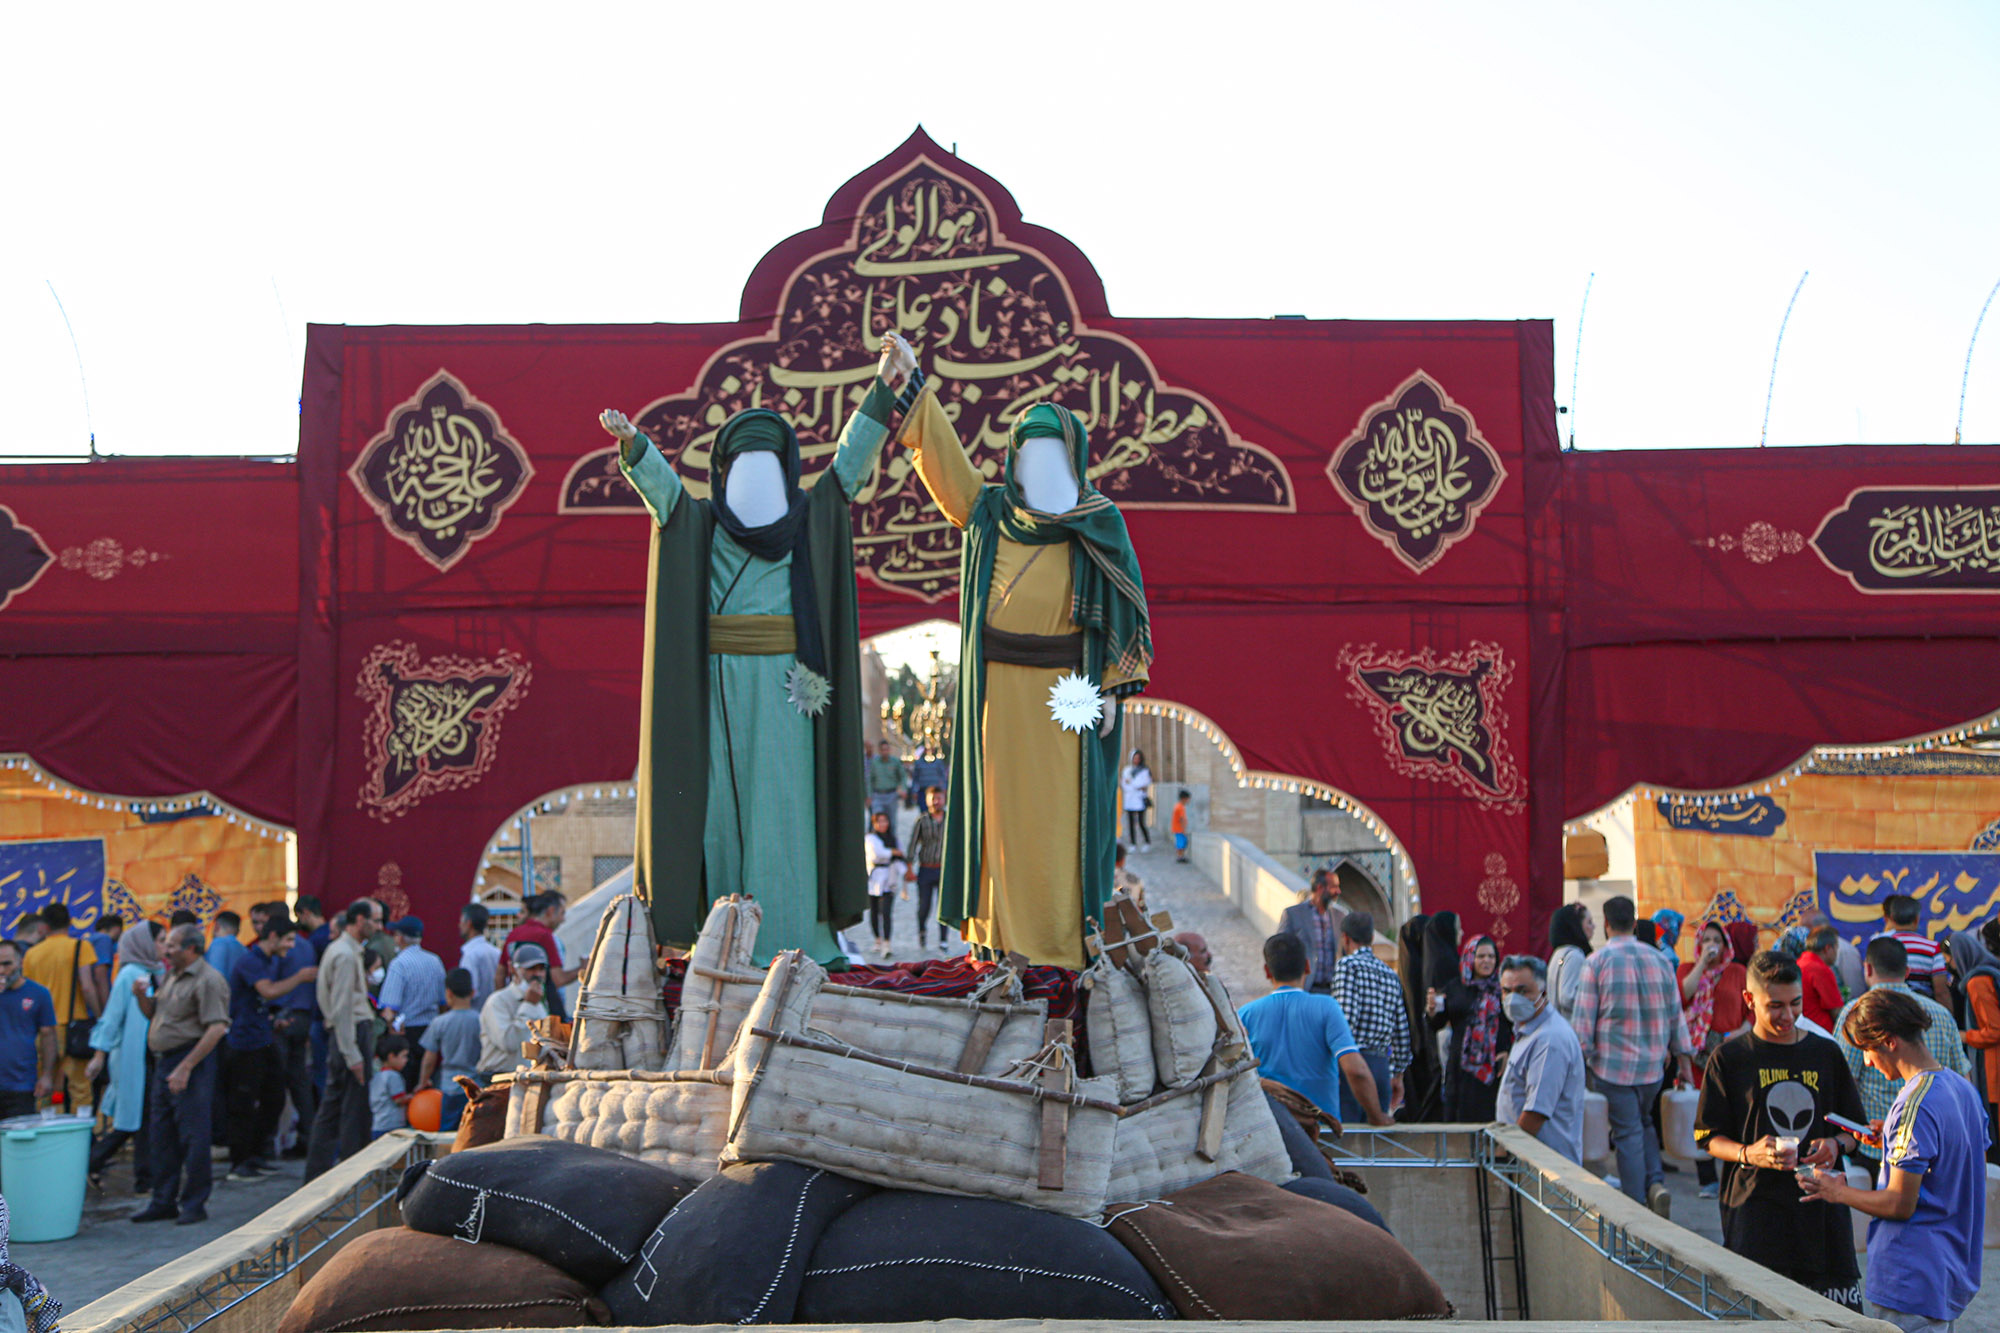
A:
1628	1017
1929	980
1372	998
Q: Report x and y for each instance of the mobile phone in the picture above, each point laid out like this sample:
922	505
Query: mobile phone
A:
1849	1125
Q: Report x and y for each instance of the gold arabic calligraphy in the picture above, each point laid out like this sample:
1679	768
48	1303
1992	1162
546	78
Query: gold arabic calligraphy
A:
996	329
433	723
1949	900
1436	713
1417	471
441	471
1919	541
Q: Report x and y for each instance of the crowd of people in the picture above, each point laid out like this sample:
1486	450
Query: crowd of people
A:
184	1037
1799	1058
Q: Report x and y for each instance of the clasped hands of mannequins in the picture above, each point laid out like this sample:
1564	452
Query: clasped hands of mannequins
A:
755	483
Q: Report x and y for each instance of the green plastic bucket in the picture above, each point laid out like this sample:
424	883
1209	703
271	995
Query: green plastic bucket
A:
43	1166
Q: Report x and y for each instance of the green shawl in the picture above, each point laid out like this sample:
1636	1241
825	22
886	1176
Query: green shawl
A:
669	871
1107	603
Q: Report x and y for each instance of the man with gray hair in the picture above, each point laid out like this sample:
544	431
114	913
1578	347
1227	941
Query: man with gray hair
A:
1372	998
503	1023
342	1123
190	1016
1542	1091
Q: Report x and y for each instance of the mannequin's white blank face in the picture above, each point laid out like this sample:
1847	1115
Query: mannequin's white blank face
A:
1048	480
756	488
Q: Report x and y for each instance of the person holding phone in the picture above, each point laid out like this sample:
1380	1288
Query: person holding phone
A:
1765	1096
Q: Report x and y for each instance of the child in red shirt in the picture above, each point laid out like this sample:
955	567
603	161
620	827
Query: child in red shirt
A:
1178	827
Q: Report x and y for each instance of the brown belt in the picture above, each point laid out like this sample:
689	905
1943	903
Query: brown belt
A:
752	636
1054	651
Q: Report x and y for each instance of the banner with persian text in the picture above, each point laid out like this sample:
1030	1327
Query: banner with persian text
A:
1954	890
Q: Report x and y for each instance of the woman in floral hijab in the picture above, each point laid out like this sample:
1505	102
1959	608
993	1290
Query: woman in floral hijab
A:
1472	1004
40	1309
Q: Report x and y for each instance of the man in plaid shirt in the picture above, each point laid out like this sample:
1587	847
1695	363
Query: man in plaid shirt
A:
1628	1017
1372	998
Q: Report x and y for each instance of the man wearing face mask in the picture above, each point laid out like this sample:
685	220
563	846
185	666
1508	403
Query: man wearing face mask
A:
1542	1091
751	752
1054	633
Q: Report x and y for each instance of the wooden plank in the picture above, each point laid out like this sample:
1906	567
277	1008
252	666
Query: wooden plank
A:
1055	1114
1214	1107
715	1014
980	1043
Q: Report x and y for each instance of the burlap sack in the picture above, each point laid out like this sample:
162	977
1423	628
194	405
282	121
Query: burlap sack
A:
620	1020
396	1279
1239	1248
898	1127
1181	1016
1153	1151
726	944
1332	1192
903	1257
484	1120
680	1126
1120	1033
583	1210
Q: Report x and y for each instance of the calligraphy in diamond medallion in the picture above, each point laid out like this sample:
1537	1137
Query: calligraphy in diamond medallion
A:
442	471
433	724
1417	471
1441	718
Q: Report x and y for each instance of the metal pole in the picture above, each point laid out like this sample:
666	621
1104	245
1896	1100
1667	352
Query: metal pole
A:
1771	386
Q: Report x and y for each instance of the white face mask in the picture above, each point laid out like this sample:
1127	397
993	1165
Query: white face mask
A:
1048	480
1519	1008
756	488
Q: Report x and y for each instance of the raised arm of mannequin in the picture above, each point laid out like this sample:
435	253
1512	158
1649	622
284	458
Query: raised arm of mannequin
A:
947	472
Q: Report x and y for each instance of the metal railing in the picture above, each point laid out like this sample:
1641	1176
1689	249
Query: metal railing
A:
1678	1276
364	1204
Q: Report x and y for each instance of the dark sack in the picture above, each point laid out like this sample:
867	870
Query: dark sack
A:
734	1251
1306	1157
396	1278
484	1120
585	1210
904	1257
1337	1194
1237	1247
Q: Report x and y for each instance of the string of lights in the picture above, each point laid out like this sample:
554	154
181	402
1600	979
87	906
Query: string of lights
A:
186	804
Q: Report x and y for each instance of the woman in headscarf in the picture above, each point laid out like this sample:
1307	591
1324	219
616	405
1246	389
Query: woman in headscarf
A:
1472	1008
750	717
1422	1087
1669	923
119	1038
1570	929
1712	989
39	1310
1053	633
1792	943
1976	979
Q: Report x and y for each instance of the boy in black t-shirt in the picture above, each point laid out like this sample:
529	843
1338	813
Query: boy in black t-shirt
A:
1762	1113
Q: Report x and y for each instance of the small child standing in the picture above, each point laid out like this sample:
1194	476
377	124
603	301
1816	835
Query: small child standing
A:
1179	827
387	1094
451	1048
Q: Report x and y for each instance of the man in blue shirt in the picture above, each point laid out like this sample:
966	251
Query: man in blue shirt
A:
413	990
1301	1038
1542	1091
27	1037
1929	1210
224	946
256	1067
293	1018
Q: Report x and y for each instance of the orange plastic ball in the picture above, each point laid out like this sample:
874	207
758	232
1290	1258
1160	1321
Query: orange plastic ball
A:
426	1109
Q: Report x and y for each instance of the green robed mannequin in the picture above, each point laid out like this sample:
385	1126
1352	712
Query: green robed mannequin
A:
1049	588
750	751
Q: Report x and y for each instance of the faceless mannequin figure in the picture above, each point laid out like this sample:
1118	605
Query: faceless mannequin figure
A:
1049	590
752	708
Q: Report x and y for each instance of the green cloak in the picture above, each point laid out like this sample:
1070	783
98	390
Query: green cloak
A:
669	870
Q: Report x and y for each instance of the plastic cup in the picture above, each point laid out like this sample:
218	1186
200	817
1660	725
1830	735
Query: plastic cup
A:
1788	1153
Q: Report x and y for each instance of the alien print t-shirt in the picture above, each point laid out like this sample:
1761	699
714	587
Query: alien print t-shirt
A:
1753	1088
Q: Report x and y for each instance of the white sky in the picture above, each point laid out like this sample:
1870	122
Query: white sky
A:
198	183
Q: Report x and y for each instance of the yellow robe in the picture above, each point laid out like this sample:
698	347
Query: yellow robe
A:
1031	869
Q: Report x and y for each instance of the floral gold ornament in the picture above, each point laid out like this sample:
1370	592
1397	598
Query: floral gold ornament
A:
1417	471
1934	539
1441	717
1760	542
1499	894
433	723
807	690
996	329
105	558
442	471
1075	703
23	557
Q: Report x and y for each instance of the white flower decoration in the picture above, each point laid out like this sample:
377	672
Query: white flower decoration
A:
807	690
1075	703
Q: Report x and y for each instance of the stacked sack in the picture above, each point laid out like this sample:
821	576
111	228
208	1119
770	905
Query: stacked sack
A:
538	1233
